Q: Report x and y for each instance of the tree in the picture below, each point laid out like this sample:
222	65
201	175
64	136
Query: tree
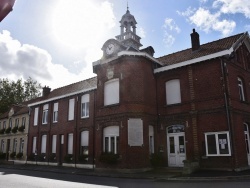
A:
12	92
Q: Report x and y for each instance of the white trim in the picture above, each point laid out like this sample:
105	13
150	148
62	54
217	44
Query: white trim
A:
126	53
62	96
196	60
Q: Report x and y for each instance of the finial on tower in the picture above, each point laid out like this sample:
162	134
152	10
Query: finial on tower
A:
127	7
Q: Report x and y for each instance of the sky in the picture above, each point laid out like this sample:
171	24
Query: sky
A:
55	42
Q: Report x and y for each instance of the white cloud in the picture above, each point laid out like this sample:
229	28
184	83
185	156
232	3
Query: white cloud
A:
24	60
233	6
207	21
170	24
168	39
187	13
142	32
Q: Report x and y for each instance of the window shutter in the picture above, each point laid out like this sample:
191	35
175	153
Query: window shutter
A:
71	109
45	107
44	141
85	98
85	138
34	145
111	92
36	116
70	143
173	91
55	107
54	144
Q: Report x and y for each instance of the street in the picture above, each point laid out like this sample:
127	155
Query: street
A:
14	178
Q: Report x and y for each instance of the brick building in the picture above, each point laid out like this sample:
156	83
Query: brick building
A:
189	108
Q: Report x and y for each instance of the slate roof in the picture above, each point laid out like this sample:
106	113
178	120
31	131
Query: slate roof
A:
205	49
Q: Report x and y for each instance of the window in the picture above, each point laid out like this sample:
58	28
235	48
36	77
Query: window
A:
21	145
23	121
2	146
54	144
17	122
111	139
111	92
241	89
10	123
45	114
36	116
4	125
34	145
246	133
217	144
70	143
0	124
85	106
84	150
14	145
55	112
43	144
71	109
151	139
173	92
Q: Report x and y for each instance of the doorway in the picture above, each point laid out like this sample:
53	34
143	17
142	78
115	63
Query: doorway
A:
176	146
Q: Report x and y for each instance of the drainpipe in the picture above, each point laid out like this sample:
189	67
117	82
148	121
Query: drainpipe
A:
75	130
94	110
226	98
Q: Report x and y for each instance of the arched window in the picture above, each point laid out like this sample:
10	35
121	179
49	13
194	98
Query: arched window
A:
111	139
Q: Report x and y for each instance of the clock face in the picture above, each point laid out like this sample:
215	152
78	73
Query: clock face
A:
110	49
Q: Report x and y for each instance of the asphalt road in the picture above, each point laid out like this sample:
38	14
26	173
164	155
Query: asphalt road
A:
13	178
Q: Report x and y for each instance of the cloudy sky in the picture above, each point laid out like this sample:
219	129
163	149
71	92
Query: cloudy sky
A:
55	42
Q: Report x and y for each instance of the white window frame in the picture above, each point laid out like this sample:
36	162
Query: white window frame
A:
45	114
109	133
16	122
21	148
3	146
241	89
36	116
44	144
216	134
10	122
70	143
71	109
112	92
55	112
173	91
84	142
85	106
4	124
14	145
23	121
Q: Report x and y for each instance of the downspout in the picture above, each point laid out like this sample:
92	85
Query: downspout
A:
49	132
75	131
226	98
94	110
28	136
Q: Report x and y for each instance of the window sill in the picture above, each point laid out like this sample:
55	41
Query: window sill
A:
172	105
85	117
111	105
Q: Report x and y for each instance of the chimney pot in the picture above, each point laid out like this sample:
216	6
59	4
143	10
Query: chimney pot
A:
195	40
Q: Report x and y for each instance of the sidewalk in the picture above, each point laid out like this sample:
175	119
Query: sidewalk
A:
165	174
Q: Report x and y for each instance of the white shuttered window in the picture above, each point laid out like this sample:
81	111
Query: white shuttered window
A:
36	116
173	92
34	145
43	145
111	92
54	144
71	109
70	143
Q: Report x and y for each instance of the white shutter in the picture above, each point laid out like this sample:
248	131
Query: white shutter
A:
135	132
85	98
36	116
173	91
55	107
45	107
34	145
71	109
85	138
111	92
70	143
54	144
44	142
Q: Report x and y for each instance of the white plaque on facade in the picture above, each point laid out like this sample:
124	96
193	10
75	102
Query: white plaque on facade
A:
135	132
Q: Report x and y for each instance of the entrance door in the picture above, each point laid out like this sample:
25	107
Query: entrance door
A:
246	133
176	148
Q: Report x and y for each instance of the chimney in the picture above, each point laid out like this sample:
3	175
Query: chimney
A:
46	91
195	39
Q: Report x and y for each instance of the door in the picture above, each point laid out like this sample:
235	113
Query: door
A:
246	134
176	146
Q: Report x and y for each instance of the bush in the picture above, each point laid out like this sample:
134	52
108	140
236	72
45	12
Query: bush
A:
31	157
7	131
12	155
21	128
2	131
2	156
157	160
83	158
14	130
41	157
52	157
19	155
109	158
68	158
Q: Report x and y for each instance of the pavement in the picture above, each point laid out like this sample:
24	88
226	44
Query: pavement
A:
161	174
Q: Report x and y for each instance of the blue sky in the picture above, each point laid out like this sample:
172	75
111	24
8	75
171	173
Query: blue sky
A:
55	42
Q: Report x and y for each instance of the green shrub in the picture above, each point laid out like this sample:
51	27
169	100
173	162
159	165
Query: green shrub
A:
52	157
2	131
12	155
157	160
21	128
2	156
83	158
19	155
14	130
7	131
109	158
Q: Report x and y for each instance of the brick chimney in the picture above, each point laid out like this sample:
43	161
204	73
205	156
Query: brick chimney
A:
195	39
46	91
